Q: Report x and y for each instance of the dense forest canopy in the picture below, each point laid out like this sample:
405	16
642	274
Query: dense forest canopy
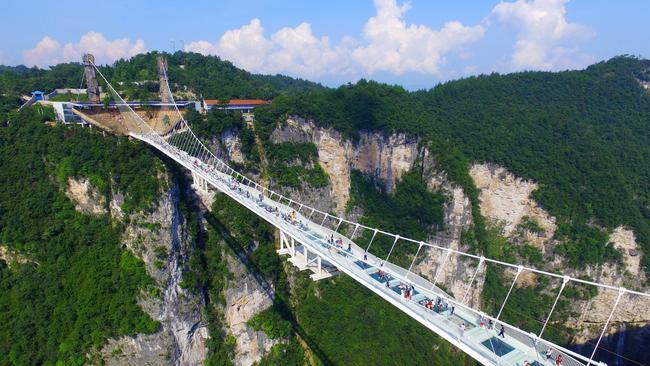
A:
78	286
207	76
583	135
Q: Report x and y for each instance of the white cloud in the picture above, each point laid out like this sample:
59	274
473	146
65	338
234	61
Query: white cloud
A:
49	51
545	39
45	53
391	45
295	51
397	47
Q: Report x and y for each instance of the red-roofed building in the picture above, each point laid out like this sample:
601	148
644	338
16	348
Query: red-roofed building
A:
243	105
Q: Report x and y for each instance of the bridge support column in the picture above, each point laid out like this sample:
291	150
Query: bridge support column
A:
300	258
199	182
287	243
320	267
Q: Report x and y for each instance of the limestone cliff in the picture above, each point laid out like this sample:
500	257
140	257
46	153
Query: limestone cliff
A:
246	297
246	293
505	199
383	157
386	158
157	237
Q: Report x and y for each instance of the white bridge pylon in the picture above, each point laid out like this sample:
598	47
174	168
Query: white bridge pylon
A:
306	238
305	259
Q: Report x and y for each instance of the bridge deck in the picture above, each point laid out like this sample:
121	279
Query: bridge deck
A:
481	343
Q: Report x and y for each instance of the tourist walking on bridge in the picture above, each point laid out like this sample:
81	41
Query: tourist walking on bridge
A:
502	331
549	354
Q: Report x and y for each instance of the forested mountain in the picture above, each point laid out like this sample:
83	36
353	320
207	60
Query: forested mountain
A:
583	136
207	76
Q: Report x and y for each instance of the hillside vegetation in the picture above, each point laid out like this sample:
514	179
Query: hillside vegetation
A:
77	287
583	135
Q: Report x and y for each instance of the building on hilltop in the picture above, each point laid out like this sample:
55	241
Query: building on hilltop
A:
242	105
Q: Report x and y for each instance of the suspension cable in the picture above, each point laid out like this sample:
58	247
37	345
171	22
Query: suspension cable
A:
621	291
469	286
391	248
444	261
564	282
521	268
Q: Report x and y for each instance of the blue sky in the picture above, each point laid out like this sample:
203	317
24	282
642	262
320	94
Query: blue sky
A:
416	43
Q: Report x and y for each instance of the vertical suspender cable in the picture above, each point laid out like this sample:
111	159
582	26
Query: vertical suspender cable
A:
413	261
371	239
391	248
564	282
435	278
521	268
621	291
469	286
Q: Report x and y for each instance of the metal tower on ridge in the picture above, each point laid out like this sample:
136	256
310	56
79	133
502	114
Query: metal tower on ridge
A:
91	78
165	93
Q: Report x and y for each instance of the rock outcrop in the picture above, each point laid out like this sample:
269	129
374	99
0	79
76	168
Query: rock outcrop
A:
10	257
85	196
246	297
159	239
232	146
506	199
384	157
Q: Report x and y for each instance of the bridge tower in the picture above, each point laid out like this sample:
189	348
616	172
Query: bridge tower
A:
165	94
91	78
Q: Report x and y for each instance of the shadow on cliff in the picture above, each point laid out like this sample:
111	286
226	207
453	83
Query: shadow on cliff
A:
627	347
280	303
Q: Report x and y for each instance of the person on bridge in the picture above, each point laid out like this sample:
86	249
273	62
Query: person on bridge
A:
549	354
558	360
502	331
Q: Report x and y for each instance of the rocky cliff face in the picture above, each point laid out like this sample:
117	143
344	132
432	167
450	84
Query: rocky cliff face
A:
159	239
246	297
383	157
505	199
85	197
386	158
453	272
